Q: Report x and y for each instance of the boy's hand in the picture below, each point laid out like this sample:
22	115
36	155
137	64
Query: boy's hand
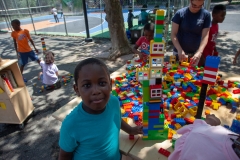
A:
36	50
136	130
18	56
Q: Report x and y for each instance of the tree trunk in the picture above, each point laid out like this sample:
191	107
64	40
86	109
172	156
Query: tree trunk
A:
120	44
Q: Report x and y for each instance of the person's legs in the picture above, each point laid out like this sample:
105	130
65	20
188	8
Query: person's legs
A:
23	61
55	18
33	56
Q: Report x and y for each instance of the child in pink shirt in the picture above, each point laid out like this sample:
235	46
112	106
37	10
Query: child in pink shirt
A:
204	140
144	42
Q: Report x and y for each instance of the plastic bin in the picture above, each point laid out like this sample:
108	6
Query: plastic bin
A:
136	33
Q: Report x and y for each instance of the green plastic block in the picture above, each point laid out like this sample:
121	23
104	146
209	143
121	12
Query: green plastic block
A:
159	31
146	94
158	26
156	135
145	115
213	96
190	94
126	101
166	126
159	17
161	118
157	39
145	83
114	93
165	91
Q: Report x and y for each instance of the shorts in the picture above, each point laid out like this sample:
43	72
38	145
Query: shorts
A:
25	55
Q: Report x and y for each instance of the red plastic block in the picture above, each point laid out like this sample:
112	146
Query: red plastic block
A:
164	152
131	137
236	91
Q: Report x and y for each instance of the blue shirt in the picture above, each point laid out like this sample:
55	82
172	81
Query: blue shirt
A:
190	28
92	136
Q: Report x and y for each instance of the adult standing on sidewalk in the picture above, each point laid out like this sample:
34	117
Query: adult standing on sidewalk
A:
54	12
190	29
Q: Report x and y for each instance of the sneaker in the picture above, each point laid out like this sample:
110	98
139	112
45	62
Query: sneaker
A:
139	60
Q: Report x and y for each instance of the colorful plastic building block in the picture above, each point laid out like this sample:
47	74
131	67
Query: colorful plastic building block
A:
164	152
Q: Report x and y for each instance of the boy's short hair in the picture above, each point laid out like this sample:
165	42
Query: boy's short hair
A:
86	62
16	21
218	8
149	27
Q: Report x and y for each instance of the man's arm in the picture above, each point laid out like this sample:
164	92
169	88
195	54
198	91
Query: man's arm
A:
65	155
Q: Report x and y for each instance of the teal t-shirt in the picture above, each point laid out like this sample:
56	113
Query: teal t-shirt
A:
92	136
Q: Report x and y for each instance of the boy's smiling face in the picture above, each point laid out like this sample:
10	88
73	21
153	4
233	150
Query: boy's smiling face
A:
94	87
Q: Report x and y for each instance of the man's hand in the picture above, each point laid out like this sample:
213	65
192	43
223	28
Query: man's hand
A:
36	50
18	56
181	55
195	59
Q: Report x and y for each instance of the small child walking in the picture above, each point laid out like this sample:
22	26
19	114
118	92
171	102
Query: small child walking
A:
91	130
218	16
144	42
20	38
49	74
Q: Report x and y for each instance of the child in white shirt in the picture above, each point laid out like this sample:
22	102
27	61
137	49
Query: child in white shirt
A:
49	74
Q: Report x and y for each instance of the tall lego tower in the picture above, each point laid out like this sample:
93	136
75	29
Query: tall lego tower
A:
151	78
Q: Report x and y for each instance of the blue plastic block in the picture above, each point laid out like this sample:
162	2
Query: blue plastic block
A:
158	35
212	61
135	118
125	114
154	106
171	126
222	101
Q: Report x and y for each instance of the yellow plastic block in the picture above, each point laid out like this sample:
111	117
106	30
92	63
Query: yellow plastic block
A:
193	111
178	115
164	85
123	111
207	112
160	12
215	106
1	91
145	136
238	117
177	106
189	76
192	118
125	119
177	126
2	105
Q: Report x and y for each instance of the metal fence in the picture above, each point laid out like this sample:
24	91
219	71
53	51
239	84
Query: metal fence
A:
36	16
